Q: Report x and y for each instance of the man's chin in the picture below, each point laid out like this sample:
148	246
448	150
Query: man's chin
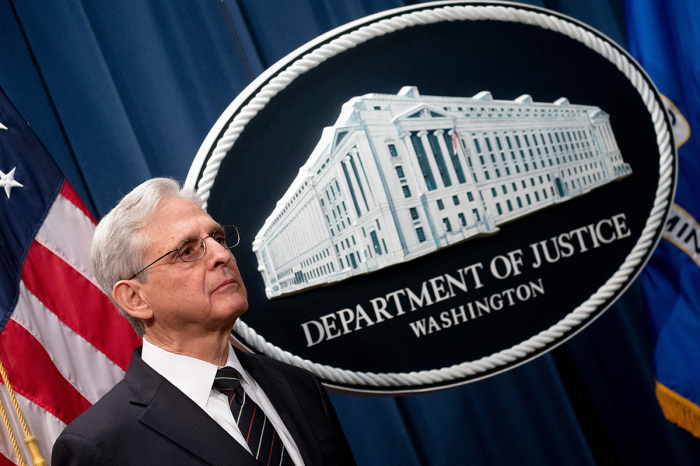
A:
241	312
239	307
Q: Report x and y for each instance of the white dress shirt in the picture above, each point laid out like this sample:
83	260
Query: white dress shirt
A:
195	378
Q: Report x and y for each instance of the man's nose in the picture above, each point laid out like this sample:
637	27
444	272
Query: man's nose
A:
220	255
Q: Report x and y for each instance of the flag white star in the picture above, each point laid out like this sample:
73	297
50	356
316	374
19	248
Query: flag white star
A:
8	182
2	126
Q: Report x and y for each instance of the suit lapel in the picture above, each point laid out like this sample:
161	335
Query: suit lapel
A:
178	418
282	397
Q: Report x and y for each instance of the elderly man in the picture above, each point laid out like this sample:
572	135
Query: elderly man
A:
188	397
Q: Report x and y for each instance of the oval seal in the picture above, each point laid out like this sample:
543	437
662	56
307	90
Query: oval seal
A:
436	194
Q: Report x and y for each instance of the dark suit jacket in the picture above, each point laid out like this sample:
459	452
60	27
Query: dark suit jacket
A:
145	419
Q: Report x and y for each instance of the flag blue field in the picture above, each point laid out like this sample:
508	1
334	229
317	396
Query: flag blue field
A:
663	37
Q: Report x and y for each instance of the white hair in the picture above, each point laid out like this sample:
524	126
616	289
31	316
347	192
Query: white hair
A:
118	245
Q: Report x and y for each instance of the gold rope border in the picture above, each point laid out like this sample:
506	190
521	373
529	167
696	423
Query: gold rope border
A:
8	427
29	440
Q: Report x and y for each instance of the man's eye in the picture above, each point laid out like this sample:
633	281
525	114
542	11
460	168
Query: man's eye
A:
189	248
219	236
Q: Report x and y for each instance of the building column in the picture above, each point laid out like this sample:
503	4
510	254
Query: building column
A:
413	160
360	177
446	155
423	135
355	192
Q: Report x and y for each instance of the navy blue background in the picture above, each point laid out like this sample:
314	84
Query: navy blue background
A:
123	91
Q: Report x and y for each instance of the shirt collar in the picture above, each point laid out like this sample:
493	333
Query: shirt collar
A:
192	376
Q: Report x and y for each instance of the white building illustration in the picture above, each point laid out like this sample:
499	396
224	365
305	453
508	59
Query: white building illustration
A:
399	176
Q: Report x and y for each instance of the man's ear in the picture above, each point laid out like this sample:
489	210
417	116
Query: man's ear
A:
128	295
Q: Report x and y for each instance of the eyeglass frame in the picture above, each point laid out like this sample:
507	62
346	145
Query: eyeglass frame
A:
204	247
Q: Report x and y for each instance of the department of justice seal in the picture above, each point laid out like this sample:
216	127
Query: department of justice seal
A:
436	194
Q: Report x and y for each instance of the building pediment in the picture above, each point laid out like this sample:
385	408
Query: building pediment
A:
423	112
599	114
339	136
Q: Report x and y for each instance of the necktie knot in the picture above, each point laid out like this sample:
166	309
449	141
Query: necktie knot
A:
227	379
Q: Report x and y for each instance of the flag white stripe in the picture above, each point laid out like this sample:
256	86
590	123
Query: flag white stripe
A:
43	425
84	366
67	232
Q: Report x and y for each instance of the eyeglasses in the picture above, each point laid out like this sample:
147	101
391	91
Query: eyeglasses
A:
193	248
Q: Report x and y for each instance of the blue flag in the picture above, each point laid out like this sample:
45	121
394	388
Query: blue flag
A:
663	37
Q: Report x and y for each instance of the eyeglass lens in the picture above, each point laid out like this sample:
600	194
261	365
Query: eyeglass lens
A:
193	248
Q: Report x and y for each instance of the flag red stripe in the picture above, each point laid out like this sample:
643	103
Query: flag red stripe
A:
69	193
33	375
90	371
4	461
79	304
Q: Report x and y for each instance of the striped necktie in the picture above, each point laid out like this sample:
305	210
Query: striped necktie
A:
256	428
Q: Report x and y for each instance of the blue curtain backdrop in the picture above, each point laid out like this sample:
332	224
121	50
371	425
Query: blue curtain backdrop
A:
123	91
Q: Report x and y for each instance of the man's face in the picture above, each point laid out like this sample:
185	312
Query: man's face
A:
189	299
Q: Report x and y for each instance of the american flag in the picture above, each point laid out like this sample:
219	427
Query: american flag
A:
62	342
455	139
